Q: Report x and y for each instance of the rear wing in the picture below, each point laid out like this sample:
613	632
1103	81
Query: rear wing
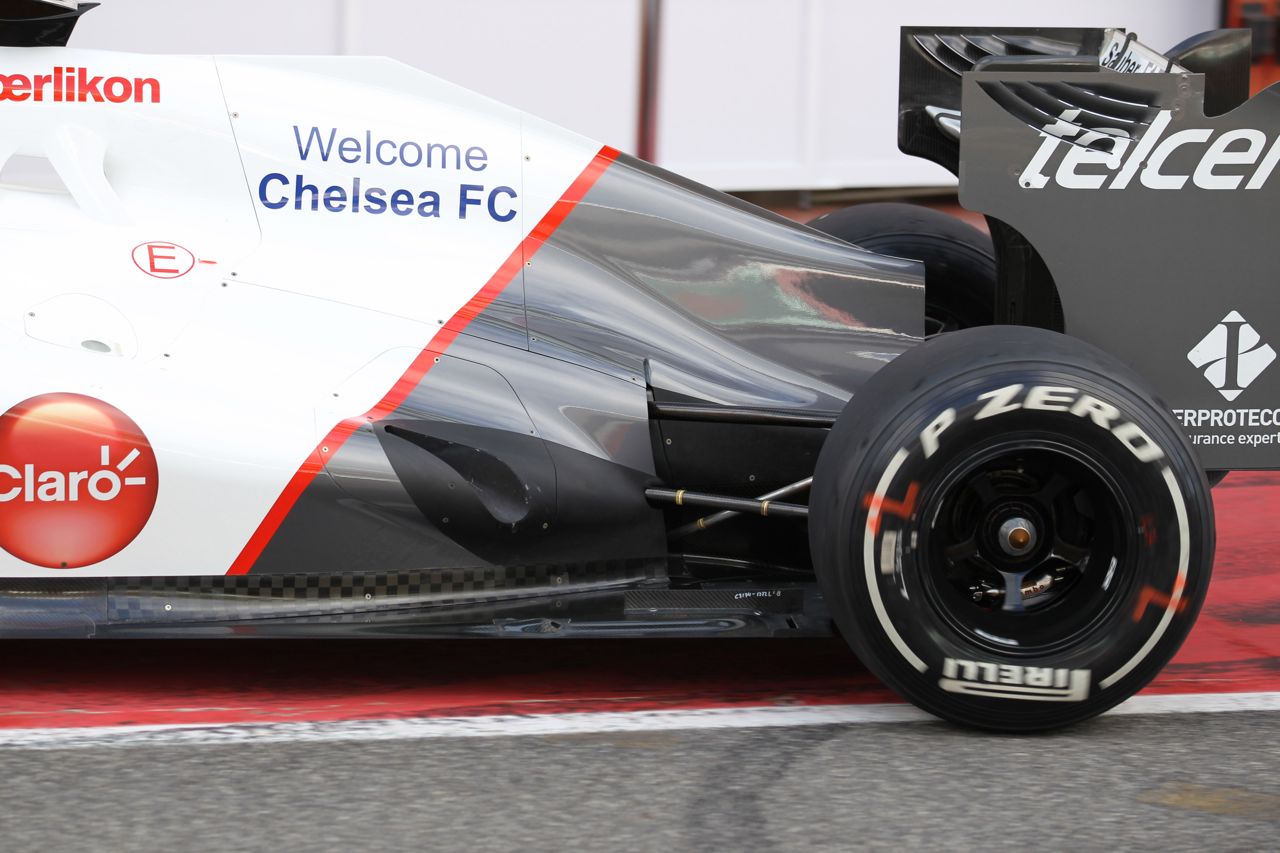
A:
39	23
934	60
1135	211
932	65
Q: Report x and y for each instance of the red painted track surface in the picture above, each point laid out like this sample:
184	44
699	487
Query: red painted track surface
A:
1235	647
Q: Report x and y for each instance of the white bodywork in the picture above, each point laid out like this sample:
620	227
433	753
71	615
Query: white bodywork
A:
289	320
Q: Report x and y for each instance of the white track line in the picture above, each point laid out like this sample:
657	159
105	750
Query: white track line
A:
558	724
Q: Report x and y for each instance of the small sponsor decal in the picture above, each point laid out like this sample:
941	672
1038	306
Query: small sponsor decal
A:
383	159
1232	355
78	480
757	594
163	260
1121	51
72	85
1014	681
1225	427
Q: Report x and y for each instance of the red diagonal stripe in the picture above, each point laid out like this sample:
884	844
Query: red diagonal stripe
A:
409	380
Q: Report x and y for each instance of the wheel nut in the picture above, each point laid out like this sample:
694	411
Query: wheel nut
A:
1017	537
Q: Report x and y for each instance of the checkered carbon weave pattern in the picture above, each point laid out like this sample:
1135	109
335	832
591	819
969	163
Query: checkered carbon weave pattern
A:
244	597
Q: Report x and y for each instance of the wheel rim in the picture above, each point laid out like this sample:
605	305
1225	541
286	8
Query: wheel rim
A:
939	318
1025	542
937	325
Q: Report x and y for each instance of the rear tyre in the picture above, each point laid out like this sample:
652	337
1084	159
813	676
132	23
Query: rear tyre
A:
1009	531
959	260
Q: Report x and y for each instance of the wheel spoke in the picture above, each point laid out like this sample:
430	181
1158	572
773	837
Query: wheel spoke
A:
985	492
1053	489
1015	540
962	550
1013	592
1072	555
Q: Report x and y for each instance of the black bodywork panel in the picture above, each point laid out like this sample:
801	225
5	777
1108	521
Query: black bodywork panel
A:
1132	211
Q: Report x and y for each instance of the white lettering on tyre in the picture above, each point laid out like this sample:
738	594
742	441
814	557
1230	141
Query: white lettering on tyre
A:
999	401
929	435
1050	399
1046	398
1014	681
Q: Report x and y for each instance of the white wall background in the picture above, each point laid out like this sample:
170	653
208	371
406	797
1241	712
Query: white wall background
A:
804	93
573	62
753	94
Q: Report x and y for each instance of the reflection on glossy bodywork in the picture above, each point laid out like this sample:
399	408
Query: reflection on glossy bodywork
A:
726	302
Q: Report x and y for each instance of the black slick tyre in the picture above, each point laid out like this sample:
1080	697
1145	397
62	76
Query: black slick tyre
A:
1010	530
959	260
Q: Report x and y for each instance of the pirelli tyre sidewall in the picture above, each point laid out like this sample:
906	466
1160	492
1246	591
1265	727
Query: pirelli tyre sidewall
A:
885	488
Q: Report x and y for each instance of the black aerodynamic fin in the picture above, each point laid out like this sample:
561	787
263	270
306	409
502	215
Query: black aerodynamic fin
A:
934	59
959	52
39	23
1092	115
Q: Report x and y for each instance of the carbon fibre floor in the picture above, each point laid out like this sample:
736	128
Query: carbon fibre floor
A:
1235	647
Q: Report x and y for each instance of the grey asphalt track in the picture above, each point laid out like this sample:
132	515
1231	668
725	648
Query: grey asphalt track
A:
1177	782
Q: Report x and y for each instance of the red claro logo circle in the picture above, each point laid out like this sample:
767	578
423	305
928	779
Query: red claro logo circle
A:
78	481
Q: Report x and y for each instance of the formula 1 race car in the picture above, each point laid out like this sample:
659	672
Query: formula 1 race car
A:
325	345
